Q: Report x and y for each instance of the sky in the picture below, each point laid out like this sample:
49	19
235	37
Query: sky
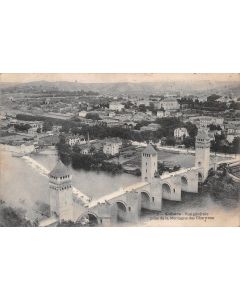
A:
117	77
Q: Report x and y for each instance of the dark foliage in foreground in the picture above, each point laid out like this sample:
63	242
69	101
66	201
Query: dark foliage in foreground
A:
13	217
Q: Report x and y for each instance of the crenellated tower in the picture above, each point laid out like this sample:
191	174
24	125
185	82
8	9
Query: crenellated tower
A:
60	192
202	152
149	163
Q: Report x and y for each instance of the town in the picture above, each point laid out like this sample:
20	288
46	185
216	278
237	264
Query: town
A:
108	131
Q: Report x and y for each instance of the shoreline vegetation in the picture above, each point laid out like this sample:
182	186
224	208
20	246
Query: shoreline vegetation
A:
99	161
222	188
164	132
14	217
94	161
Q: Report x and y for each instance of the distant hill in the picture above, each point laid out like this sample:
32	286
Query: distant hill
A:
138	89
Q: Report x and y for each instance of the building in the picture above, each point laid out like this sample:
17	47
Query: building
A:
36	127
232	131
149	112
112	147
169	104
82	114
180	133
85	150
145	102
140	116
116	106
129	125
75	140
108	122
149	163
205	121
60	192
111	114
3	115
150	127
163	114
202	153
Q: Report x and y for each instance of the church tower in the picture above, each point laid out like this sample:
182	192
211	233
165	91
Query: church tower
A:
202	152
60	192
149	163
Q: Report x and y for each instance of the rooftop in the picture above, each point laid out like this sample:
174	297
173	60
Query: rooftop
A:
149	150
202	134
59	170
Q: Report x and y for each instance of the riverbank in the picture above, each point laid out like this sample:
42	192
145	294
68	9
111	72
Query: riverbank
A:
177	150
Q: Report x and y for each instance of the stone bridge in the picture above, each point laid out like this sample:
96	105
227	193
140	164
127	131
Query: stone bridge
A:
126	204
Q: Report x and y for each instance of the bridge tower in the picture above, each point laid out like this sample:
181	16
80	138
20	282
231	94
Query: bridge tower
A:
149	163
60	192
202	154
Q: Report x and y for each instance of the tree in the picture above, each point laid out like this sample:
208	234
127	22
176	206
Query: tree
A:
93	116
12	217
236	145
142	108
170	141
192	129
22	127
189	142
47	126
213	127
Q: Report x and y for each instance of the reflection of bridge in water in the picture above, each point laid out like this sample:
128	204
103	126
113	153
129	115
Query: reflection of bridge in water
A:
126	203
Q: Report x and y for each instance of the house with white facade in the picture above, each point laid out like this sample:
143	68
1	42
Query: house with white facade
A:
205	121
232	131
112	146
170	104
82	114
180	133
163	114
75	140
116	106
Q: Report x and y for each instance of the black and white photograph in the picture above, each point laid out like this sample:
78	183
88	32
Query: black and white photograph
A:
120	149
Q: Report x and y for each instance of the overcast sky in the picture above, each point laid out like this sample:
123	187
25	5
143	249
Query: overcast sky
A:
115	77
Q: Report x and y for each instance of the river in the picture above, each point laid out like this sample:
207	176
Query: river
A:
21	184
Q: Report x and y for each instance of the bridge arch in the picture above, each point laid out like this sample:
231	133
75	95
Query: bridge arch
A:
89	219
121	205
145	197
184	180
200	177
166	191
122	210
145	200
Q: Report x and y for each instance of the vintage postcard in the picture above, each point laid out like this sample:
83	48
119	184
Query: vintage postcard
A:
119	150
